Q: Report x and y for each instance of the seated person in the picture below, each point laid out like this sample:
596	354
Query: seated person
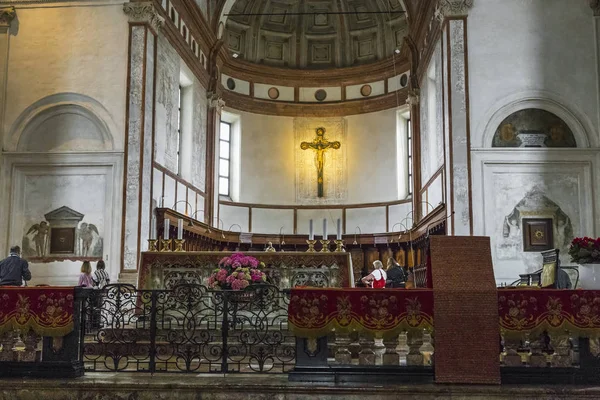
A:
377	278
396	277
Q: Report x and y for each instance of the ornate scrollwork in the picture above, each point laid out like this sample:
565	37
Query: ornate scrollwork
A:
7	14
413	97
452	8
595	4
145	13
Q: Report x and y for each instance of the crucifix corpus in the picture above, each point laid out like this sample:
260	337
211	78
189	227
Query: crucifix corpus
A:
320	145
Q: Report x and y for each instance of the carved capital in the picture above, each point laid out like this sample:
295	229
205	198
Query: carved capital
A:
452	8
215	101
144	12
7	14
413	97
595	4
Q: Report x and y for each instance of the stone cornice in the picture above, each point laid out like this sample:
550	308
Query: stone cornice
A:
453	8
7	14
595	4
144	12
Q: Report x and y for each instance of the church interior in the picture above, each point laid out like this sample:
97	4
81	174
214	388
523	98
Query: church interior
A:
241	166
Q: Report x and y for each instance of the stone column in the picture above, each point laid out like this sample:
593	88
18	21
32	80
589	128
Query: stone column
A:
453	15
144	24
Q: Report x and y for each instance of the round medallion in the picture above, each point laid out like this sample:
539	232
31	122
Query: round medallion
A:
366	90
273	93
403	80
230	84
320	95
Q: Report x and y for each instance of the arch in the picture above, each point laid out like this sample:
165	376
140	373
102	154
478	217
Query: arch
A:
51	110
578	124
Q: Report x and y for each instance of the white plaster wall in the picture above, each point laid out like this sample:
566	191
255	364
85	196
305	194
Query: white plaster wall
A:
370	220
304	217
271	221
518	47
267	170
401	214
80	49
234	215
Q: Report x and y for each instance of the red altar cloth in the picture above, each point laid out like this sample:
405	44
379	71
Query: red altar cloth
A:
379	312
48	311
537	310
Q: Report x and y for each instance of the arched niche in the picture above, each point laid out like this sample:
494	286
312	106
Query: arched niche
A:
533	127
540	100
64	122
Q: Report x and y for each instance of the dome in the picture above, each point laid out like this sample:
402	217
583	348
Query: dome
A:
315	34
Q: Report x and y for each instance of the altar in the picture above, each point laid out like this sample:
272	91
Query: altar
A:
165	270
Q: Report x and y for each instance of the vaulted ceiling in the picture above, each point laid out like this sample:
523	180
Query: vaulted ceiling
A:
315	34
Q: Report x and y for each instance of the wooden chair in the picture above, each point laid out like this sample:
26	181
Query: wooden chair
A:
549	277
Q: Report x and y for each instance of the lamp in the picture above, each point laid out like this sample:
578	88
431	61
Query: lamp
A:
233	226
222	226
359	231
194	216
182	201
281	238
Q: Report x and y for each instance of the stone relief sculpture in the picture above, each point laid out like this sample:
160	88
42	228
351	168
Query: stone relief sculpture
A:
535	204
62	235
533	127
40	237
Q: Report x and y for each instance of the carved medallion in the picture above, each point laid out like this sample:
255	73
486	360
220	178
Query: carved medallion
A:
230	84
366	90
273	93
320	95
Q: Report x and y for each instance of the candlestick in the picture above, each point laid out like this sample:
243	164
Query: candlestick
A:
311	246
166	229
339	246
165	245
152	245
179	229
153	228
324	228
179	245
311	232
339	229
325	248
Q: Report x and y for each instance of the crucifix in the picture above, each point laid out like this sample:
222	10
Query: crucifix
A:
320	145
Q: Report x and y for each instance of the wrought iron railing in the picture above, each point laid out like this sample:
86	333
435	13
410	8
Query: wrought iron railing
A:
187	329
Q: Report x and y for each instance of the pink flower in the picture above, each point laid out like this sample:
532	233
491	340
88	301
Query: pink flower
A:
236	264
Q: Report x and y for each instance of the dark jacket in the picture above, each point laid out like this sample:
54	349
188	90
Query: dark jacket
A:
13	271
395	277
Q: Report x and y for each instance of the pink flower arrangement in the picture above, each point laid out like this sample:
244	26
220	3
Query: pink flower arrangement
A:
237	272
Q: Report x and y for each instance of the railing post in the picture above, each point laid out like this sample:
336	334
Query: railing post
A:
225	333
153	311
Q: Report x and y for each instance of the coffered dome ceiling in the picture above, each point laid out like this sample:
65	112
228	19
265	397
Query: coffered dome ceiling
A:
326	34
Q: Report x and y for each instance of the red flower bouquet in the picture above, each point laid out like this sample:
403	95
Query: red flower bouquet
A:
585	250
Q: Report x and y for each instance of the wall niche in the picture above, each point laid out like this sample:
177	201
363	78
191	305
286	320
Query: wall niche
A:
533	127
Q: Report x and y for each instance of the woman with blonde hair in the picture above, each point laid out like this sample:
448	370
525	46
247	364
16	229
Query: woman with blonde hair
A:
85	279
376	278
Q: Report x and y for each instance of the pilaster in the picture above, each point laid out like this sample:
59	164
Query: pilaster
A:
144	24
457	134
215	105
595	5
7	15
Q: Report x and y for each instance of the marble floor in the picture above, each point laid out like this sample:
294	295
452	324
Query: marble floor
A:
125	386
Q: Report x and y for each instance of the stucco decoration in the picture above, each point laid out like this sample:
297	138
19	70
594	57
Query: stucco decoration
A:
335	168
198	171
453	8
533	127
309	37
144	12
7	14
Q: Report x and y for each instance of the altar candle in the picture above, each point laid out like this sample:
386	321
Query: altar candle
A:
324	228
311	232
339	229
179	229
153	228
166	231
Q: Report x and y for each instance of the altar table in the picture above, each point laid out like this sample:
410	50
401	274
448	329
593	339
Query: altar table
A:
164	270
